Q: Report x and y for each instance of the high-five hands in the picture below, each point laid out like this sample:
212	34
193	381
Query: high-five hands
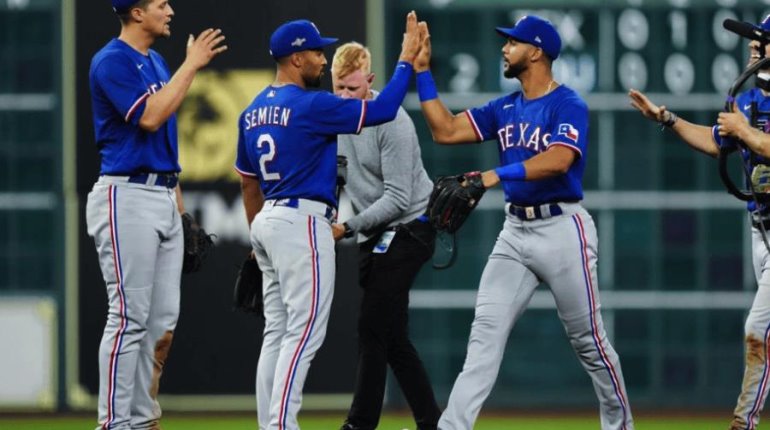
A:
412	43
422	62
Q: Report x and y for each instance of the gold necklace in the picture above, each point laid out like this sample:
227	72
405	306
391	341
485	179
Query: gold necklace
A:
549	87
547	90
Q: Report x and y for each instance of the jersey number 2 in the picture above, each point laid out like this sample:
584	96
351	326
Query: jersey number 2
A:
267	157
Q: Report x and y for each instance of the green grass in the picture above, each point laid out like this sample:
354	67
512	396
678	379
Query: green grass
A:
389	422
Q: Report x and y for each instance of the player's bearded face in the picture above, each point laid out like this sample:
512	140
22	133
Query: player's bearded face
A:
513	70
514	60
315	61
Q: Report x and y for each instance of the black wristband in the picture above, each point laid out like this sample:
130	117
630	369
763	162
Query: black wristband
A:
669	120
348	231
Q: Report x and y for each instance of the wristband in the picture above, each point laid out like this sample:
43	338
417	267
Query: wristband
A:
512	172
426	88
348	231
669	119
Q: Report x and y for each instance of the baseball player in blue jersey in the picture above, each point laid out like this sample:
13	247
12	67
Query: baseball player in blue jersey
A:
756	155
287	159
547	237
134	209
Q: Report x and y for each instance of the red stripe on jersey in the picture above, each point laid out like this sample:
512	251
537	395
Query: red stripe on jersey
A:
363	117
244	173
476	130
136	105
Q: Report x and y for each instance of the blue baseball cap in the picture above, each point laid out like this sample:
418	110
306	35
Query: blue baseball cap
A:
535	31
297	36
122	6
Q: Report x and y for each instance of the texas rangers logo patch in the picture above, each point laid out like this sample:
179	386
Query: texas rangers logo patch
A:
568	131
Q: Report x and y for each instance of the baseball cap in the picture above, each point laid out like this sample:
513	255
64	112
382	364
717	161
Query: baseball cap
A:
121	6
296	36
535	31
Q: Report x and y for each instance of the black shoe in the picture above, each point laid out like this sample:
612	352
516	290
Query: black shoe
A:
348	426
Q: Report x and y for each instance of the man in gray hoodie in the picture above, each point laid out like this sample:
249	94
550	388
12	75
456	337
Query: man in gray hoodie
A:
389	191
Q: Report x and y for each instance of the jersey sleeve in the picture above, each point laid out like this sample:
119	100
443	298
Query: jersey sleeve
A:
242	163
483	120
335	115
715	135
123	86
570	126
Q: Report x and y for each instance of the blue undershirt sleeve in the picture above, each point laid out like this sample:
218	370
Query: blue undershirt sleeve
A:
512	172
385	107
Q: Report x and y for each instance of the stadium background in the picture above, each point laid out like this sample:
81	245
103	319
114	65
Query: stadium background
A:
674	262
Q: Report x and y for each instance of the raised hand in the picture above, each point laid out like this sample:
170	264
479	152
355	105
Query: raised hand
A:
411	43
422	61
649	109
208	45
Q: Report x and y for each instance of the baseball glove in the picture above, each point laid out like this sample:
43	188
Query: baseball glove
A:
247	295
452	200
197	244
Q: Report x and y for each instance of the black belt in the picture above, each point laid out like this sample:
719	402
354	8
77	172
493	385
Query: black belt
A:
765	223
168	180
528	213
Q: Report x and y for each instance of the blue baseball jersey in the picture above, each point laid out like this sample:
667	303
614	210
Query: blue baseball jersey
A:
525	128
287	139
743	102
121	80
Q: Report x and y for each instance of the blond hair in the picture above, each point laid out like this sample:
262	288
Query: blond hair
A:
350	57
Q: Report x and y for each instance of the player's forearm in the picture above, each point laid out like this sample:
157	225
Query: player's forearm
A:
440	121
445	127
757	141
554	162
697	136
179	200
253	199
545	168
252	204
161	105
385	107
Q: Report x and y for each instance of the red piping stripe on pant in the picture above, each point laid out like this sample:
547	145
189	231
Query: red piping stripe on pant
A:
592	305
314	263
114	355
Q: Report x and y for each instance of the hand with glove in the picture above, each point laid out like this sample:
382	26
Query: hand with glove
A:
247	295
453	198
197	244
